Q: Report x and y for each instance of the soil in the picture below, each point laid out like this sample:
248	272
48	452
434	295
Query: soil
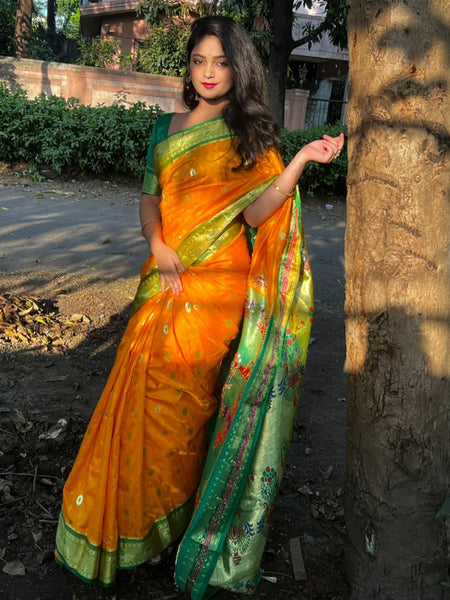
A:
56	351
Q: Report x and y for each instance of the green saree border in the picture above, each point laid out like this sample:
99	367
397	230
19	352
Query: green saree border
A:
201	242
93	563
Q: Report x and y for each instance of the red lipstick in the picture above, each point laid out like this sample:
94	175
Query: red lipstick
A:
209	86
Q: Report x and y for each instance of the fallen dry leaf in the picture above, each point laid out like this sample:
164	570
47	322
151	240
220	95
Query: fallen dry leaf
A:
14	568
56	378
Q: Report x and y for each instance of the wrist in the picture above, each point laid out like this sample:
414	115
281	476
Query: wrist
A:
155	243
302	159
285	193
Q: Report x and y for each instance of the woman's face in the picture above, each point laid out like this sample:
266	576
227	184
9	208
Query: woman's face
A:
212	76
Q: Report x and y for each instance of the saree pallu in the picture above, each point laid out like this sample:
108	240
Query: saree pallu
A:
131	490
224	543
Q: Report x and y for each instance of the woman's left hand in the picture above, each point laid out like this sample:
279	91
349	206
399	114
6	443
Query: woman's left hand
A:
324	150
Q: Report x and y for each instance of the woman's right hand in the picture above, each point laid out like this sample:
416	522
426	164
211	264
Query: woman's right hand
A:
169	266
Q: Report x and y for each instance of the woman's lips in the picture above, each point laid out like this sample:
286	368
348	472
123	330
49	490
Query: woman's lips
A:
209	86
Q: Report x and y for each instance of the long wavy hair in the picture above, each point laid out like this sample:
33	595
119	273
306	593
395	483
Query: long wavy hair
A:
247	114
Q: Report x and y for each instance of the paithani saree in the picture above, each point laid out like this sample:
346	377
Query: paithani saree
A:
179	408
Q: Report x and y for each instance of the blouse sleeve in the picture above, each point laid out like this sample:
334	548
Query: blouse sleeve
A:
151	184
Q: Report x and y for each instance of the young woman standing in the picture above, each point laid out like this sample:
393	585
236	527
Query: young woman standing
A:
190	437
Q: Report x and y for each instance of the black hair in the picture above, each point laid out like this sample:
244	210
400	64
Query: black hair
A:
247	114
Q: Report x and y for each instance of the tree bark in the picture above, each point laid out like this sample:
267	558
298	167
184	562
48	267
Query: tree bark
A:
281	47
397	302
22	31
51	16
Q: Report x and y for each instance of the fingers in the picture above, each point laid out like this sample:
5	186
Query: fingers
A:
170	277
336	144
170	267
172	281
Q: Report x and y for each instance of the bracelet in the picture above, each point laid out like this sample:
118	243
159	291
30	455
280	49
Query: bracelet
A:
274	185
148	223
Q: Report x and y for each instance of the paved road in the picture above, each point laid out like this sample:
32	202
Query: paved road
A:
44	231
58	227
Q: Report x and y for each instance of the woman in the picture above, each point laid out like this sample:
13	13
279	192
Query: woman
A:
134	488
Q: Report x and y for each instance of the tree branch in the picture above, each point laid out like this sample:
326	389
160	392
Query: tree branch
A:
317	32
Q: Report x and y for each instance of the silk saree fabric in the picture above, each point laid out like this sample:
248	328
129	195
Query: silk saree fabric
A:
133	485
224	543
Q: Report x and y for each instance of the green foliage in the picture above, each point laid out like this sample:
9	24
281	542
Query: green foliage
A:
68	18
72	138
7	18
42	46
164	53
155	11
316	178
102	52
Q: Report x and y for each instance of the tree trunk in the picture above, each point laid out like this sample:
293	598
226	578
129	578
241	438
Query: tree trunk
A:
281	47
397	304
51	16
22	31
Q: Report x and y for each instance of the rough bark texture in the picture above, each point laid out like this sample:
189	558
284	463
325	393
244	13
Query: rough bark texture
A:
279	58
397	305
22	31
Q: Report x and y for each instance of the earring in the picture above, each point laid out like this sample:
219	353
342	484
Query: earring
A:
188	80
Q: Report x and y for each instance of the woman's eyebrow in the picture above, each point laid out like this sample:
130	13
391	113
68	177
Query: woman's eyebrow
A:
203	56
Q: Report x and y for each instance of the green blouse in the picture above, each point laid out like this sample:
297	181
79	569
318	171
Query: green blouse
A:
159	133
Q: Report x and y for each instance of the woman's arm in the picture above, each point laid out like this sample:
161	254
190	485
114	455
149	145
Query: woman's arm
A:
321	151
169	264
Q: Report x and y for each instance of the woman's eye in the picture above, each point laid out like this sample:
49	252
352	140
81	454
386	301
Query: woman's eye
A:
197	61
223	63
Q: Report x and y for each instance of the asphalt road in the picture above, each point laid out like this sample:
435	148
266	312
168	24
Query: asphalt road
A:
56	227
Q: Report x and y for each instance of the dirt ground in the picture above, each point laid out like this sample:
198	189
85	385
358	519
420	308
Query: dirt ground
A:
58	336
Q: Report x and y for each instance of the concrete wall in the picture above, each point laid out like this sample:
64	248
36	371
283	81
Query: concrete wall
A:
94	86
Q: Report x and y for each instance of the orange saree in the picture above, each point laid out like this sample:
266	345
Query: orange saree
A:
131	489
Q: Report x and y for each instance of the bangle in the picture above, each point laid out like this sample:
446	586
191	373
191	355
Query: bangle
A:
274	185
148	223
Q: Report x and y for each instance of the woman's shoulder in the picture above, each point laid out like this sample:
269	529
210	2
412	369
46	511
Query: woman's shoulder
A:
162	124
169	123
178	121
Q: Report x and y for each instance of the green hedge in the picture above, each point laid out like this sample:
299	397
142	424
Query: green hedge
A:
71	138
316	178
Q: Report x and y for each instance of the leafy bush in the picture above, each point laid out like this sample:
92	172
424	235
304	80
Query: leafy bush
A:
316	178
164	53
102	52
67	136
72	138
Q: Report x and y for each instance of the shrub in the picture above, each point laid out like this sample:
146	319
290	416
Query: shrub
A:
101	52
316	178
67	136
164	53
72	138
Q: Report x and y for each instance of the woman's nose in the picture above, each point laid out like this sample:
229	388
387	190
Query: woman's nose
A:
209	69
